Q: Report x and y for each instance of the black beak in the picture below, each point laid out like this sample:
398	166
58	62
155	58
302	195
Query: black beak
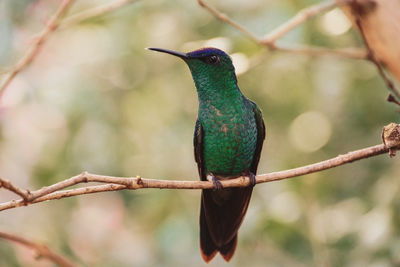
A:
174	53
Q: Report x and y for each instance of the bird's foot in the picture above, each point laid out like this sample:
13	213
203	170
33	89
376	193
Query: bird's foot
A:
252	177
216	182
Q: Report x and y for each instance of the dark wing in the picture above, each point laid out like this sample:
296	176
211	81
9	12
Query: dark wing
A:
207	245
198	149
260	137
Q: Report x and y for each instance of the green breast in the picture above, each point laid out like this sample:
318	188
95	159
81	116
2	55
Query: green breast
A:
230	136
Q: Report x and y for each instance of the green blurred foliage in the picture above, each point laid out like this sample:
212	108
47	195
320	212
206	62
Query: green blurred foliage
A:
95	100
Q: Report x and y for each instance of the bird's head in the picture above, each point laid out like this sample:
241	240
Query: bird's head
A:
206	63
212	71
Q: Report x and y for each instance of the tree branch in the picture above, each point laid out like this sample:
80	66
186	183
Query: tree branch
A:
35	48
120	183
303	15
41	250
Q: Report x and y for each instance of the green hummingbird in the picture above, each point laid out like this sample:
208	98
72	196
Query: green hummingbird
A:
228	139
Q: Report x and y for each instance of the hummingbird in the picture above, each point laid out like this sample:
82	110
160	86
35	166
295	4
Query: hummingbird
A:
228	139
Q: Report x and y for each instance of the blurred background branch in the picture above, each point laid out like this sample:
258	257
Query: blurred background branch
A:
302	16
283	29
41	250
52	25
27	59
94	12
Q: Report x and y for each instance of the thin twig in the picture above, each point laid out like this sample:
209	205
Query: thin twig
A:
94	12
35	48
371	54
353	53
9	186
41	250
303	15
223	17
56	24
121	183
392	99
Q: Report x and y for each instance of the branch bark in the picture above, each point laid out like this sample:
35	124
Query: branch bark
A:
41	250
24	194
112	183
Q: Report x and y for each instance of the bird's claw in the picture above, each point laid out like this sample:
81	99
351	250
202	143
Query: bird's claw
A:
216	182
252	179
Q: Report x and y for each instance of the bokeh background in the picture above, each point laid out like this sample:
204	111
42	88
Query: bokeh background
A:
94	99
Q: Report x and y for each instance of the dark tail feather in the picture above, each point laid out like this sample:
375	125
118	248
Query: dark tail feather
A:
221	214
228	250
207	246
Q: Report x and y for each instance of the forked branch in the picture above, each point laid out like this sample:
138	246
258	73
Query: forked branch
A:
300	17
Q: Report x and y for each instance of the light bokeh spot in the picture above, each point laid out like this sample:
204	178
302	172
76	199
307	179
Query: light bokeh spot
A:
220	43
374	227
310	131
335	22
285	207
217	42
241	63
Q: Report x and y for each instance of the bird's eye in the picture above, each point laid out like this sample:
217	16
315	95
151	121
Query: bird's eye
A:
213	60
